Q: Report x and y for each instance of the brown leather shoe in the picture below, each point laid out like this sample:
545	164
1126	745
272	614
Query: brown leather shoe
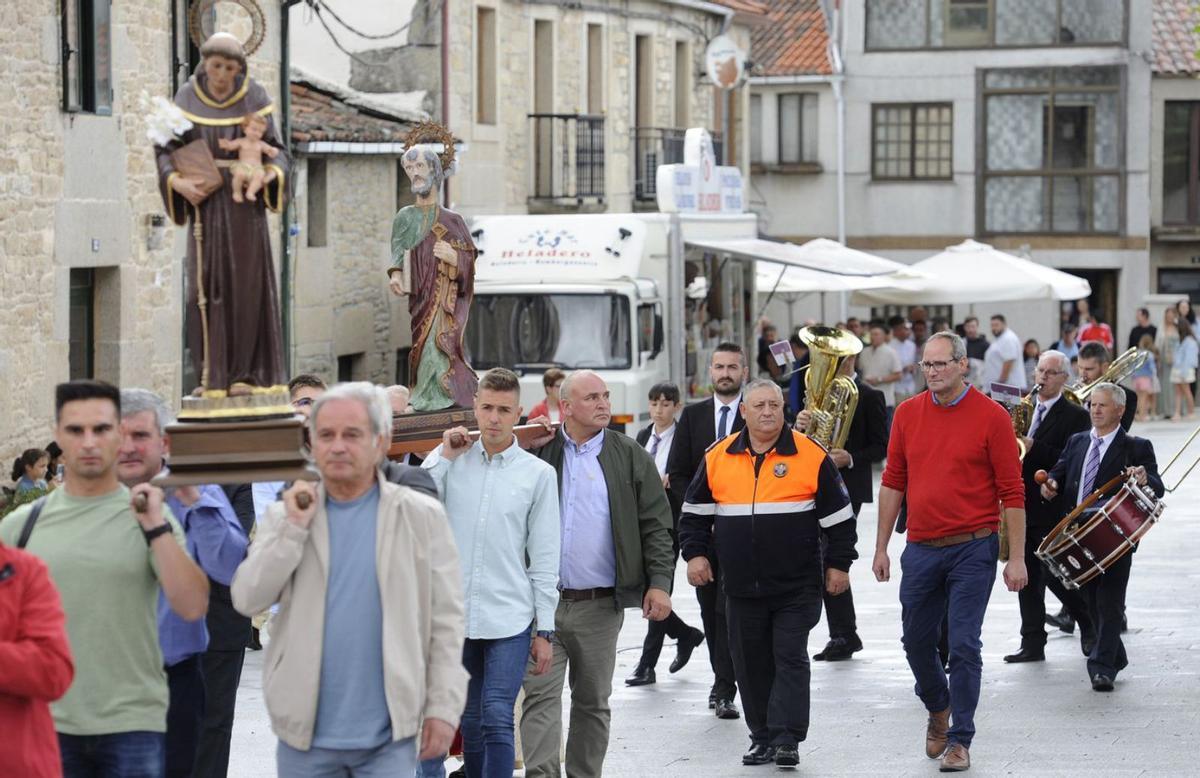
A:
956	759
935	733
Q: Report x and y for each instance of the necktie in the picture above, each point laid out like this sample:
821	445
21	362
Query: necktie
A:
723	424
1037	418
654	445
1091	466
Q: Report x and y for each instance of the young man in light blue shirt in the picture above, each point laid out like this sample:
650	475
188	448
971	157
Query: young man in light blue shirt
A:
502	503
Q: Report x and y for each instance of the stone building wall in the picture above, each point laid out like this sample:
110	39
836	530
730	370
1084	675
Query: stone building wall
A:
78	190
342	305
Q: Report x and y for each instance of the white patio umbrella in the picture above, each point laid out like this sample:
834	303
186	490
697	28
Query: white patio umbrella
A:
973	272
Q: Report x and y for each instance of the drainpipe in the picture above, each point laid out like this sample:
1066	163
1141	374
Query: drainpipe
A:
285	238
446	89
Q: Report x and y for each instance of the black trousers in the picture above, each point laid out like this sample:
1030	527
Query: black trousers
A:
672	626
185	714
716	635
768	638
222	674
1105	597
839	608
1032	599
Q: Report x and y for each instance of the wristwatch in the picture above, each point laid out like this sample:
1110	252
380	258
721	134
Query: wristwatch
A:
151	534
545	634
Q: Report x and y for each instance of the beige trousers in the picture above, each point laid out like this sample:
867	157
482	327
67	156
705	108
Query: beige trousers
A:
585	655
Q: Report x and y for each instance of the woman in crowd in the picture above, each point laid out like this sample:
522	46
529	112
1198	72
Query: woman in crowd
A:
29	470
1145	380
1032	352
1168	341
552	406
1183	370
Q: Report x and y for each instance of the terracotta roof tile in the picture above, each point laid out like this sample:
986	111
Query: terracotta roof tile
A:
794	41
1175	38
319	116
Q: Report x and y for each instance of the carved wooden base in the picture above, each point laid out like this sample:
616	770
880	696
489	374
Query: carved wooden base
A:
237	452
422	430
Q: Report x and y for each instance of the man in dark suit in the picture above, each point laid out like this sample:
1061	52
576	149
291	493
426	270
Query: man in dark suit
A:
1094	359
700	425
1089	461
866	443
657	438
1055	420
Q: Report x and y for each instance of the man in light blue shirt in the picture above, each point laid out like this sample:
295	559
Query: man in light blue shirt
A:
502	503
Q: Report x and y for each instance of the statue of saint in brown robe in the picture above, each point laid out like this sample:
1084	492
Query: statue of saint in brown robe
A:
244	336
441	291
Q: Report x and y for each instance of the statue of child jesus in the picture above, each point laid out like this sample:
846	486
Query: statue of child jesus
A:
248	172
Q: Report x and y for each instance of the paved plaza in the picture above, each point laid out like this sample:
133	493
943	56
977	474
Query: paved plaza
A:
1039	719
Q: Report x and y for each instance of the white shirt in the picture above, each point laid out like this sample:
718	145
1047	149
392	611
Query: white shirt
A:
1048	405
729	417
1006	348
1105	442
664	447
907	351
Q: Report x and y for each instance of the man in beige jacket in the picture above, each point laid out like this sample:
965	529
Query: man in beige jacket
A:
367	643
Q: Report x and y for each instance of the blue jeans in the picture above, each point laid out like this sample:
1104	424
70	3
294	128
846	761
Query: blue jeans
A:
497	668
119	755
962	576
398	757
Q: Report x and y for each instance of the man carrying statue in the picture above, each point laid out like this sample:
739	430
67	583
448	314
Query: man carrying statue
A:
433	263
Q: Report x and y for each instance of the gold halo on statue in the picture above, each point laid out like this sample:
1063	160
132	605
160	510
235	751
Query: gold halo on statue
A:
202	14
431	133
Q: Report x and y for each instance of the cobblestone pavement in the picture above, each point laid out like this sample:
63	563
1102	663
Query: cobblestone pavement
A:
1040	719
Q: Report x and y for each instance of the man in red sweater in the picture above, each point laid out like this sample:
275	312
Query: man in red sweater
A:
35	665
953	454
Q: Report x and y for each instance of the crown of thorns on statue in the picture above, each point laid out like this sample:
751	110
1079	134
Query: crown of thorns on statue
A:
433	134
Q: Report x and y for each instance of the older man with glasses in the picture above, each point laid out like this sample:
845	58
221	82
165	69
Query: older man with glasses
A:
953	456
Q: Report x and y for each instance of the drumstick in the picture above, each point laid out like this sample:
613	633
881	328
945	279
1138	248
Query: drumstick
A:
140	502
1041	477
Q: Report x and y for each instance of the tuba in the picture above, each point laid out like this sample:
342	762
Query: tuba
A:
1121	368
1022	419
832	398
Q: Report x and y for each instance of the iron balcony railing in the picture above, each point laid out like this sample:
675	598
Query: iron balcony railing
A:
654	146
568	157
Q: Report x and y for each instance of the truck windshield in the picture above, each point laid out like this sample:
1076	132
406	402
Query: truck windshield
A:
571	331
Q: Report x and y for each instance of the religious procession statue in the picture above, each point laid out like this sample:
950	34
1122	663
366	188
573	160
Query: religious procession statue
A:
230	144
433	263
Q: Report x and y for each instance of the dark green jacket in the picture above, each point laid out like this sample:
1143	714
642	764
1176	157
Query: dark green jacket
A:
641	515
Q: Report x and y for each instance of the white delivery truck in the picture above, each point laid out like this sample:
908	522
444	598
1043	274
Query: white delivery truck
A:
602	291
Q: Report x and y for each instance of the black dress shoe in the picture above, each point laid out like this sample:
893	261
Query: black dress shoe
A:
643	675
759	755
1101	683
1026	655
839	649
683	650
787	756
727	710
255	643
1087	643
1062	620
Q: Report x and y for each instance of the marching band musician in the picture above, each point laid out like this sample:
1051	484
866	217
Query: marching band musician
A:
1089	460
1055	420
1094	361
866	443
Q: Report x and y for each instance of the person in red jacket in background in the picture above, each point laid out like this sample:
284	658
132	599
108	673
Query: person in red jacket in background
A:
35	665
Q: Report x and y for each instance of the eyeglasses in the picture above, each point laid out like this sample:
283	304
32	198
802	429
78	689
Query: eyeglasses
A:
1051	372
936	367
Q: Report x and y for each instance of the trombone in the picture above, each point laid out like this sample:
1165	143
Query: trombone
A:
1162	473
1121	368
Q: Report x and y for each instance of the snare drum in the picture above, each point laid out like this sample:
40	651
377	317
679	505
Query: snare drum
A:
1086	543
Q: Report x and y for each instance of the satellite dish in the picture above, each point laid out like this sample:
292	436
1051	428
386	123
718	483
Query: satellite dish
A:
725	61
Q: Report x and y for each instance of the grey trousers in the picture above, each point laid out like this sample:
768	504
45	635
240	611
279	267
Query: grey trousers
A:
585	655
